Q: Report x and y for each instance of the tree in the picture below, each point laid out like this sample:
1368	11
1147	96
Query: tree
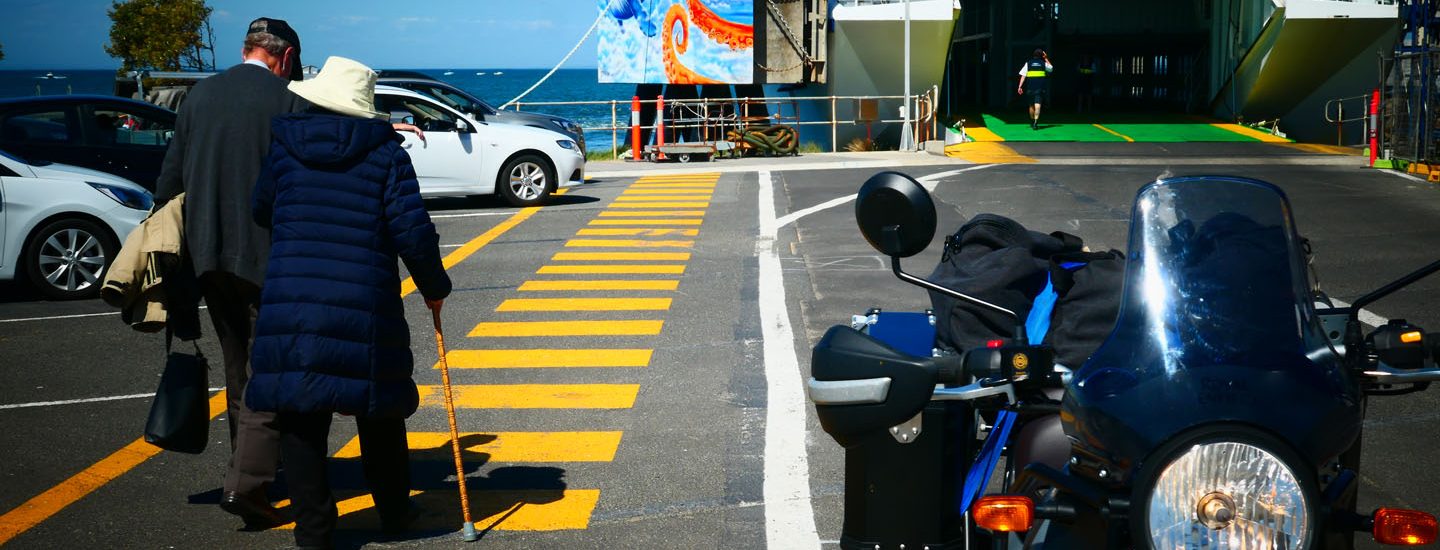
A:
167	35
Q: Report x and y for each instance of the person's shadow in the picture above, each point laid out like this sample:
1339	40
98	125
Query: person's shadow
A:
490	202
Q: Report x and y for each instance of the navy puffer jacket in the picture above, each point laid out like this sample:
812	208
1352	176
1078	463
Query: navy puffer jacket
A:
341	200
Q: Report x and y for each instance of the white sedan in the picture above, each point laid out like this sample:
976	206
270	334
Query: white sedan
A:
464	155
61	225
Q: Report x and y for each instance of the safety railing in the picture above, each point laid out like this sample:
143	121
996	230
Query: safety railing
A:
715	116
1343	110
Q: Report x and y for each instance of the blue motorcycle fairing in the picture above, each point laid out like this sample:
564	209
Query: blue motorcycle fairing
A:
1215	325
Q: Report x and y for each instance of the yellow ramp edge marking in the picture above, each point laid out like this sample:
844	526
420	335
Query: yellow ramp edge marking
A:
982	152
648	256
584	304
1322	149
44	505
981	133
523	510
680	191
509	446
626	243
547	358
458	255
660	205
1113	132
533	396
647	222
661	198
613	269
638	232
625	214
501	329
536	286
1252	133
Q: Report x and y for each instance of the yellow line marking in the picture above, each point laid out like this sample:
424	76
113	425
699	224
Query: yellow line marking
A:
626	243
44	505
705	175
1252	133
546	358
623	214
708	187
647	222
611	268
621	256
524	510
458	255
633	191
496	329
660	205
981	133
659	198
533	396
983	152
511	446
536	286
1122	136
1322	149
584	304
638	232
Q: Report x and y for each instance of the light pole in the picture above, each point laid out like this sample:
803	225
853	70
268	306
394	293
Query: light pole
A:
906	142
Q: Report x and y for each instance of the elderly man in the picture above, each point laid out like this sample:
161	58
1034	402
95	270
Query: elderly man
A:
221	138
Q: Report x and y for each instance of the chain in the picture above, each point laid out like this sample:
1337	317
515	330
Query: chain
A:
783	69
789	34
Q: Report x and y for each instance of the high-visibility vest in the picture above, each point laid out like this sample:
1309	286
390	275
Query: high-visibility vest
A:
1087	70
1035	68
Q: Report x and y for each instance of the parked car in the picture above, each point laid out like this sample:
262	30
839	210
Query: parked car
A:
464	102
61	225
466	154
115	135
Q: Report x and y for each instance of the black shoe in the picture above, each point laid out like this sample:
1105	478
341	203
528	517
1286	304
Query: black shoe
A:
396	524
256	512
1034	125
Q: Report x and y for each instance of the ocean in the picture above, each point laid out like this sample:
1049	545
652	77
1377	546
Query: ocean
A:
564	85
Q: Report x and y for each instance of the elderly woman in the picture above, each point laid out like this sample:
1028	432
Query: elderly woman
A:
342	203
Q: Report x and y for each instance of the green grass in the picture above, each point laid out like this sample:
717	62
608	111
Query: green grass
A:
810	147
593	156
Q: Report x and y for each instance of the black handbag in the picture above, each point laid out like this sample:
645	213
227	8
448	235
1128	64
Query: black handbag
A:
180	415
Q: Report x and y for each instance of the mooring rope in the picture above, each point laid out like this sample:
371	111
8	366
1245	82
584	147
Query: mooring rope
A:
542	80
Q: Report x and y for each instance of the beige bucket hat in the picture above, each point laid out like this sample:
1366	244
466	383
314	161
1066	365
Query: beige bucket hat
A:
344	86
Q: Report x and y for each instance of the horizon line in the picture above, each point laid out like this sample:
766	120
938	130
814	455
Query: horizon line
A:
52	68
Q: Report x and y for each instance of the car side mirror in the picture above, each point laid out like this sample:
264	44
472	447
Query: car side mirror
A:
896	215
462	127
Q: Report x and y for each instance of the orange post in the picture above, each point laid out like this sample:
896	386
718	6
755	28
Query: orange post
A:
635	145
1374	125
659	126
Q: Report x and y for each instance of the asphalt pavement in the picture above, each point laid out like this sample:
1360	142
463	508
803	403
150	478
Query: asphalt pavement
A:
610	362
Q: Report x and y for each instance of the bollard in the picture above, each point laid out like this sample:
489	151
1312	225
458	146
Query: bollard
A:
1374	125
659	126
635	145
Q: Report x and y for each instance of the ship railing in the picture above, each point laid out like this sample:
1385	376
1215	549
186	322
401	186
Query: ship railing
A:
714	117
1341	110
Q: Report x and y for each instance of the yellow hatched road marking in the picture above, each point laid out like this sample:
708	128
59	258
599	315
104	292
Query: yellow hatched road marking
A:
680	191
638	232
707	175
584	304
511	446
659	205
493	329
522	510
650	256
547	358
625	214
661	198
651	269
626	243
646	222
532	286
458	255
533	396
706	186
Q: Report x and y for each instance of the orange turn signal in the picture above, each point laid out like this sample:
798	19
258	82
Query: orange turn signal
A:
1004	513
1404	527
1411	337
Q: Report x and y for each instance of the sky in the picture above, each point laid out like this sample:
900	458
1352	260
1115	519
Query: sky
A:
429	34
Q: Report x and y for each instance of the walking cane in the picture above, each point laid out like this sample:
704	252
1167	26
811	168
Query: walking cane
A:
468	531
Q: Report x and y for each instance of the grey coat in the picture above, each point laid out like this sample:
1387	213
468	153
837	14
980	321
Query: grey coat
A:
221	137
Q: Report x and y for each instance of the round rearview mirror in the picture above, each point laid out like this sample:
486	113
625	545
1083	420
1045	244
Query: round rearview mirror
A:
896	214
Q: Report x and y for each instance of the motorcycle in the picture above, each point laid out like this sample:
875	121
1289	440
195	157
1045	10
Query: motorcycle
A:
1225	409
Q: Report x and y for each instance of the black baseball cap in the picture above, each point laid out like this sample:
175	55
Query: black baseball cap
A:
280	29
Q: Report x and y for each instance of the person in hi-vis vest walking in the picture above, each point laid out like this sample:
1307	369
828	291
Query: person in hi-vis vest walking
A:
1037	72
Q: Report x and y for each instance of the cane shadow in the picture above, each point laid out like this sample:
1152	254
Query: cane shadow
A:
493	498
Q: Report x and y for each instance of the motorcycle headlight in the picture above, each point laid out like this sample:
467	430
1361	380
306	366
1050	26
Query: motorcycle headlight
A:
1226	494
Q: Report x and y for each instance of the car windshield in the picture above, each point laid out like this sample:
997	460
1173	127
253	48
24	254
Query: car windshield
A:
452	98
1215	277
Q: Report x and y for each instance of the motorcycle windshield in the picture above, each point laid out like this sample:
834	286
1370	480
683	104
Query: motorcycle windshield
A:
1216	277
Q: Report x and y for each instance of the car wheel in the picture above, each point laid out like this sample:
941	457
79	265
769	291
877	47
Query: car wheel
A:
66	259
526	180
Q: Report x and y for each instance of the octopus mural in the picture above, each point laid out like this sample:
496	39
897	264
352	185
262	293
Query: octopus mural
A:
677	41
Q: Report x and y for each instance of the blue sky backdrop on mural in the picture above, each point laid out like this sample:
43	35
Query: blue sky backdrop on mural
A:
502	34
677	41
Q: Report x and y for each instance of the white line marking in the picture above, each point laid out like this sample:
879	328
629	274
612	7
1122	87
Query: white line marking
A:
1398	173
1365	315
789	515
471	215
76	316
929	182
88	400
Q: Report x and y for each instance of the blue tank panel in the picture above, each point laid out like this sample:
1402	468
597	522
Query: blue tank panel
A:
910	332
